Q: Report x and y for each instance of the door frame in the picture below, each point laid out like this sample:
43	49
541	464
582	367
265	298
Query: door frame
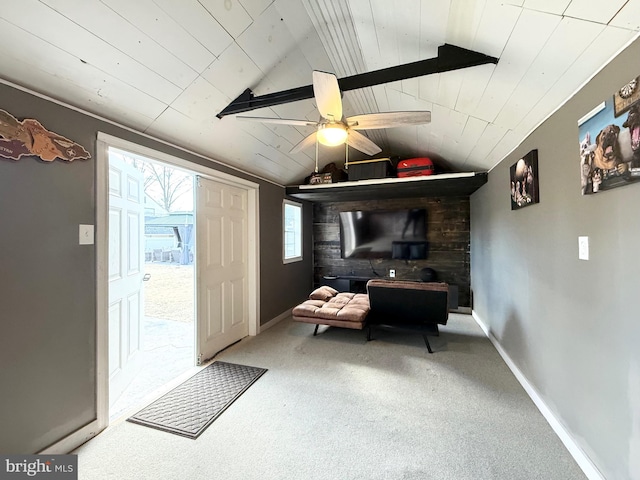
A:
104	141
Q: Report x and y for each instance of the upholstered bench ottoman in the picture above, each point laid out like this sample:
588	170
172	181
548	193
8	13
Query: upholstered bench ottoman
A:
327	306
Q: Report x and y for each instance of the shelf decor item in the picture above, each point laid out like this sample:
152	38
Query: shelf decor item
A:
369	169
415	167
524	181
29	138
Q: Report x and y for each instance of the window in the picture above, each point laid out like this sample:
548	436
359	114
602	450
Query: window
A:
292	232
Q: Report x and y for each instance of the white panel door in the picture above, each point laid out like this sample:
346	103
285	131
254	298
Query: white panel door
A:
222	246
126	271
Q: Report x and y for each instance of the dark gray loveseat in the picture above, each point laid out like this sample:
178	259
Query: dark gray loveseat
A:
417	307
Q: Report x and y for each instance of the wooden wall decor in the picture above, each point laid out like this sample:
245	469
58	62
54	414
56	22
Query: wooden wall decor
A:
29	138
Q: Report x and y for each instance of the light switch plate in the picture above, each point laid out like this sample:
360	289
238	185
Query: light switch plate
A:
85	235
583	248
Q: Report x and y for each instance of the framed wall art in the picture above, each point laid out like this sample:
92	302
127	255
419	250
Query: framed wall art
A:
524	181
609	141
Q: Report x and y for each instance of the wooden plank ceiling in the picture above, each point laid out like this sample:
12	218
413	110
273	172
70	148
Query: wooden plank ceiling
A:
167	67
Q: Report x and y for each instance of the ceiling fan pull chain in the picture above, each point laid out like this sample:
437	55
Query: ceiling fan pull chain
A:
346	155
316	154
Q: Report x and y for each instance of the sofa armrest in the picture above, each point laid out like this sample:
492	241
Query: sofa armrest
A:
408	284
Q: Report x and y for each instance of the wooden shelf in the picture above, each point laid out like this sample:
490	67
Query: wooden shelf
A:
446	184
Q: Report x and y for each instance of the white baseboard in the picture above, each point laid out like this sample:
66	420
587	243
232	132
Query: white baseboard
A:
581	458
74	440
274	321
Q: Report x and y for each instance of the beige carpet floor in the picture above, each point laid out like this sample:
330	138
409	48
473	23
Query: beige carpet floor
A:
337	407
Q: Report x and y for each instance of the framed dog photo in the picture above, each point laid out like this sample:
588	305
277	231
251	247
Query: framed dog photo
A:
524	181
609	142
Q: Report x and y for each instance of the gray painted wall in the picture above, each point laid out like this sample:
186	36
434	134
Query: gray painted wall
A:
571	326
48	284
282	288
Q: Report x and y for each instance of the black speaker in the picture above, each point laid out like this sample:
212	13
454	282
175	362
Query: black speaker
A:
428	274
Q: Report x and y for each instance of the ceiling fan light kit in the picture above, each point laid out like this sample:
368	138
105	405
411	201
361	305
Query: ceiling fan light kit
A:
332	134
333	129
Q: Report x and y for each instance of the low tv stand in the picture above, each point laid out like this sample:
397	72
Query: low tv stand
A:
349	283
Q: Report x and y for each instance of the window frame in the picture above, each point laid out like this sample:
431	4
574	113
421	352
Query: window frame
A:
296	258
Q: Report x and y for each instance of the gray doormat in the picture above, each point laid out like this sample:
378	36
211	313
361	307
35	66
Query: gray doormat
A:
191	407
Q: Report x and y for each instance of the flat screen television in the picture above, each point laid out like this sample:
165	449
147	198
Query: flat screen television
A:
398	234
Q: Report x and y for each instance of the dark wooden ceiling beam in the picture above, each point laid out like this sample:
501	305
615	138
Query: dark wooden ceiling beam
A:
449	58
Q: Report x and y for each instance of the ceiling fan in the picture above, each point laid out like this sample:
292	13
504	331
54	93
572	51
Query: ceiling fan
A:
333	129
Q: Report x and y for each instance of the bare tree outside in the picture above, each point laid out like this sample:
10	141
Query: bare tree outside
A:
164	185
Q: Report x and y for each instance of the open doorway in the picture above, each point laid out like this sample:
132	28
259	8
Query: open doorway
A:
151	278
219	198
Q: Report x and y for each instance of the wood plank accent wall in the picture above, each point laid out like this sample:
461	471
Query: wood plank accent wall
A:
448	234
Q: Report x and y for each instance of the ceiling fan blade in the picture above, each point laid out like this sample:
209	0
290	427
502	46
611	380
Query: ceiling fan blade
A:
362	143
304	143
327	94
388	120
281	121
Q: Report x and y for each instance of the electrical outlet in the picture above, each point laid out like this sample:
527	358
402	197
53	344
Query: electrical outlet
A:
392	273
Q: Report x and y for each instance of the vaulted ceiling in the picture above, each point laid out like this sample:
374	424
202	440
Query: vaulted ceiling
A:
167	67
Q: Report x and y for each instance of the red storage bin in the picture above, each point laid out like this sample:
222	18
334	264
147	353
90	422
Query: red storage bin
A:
414	167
